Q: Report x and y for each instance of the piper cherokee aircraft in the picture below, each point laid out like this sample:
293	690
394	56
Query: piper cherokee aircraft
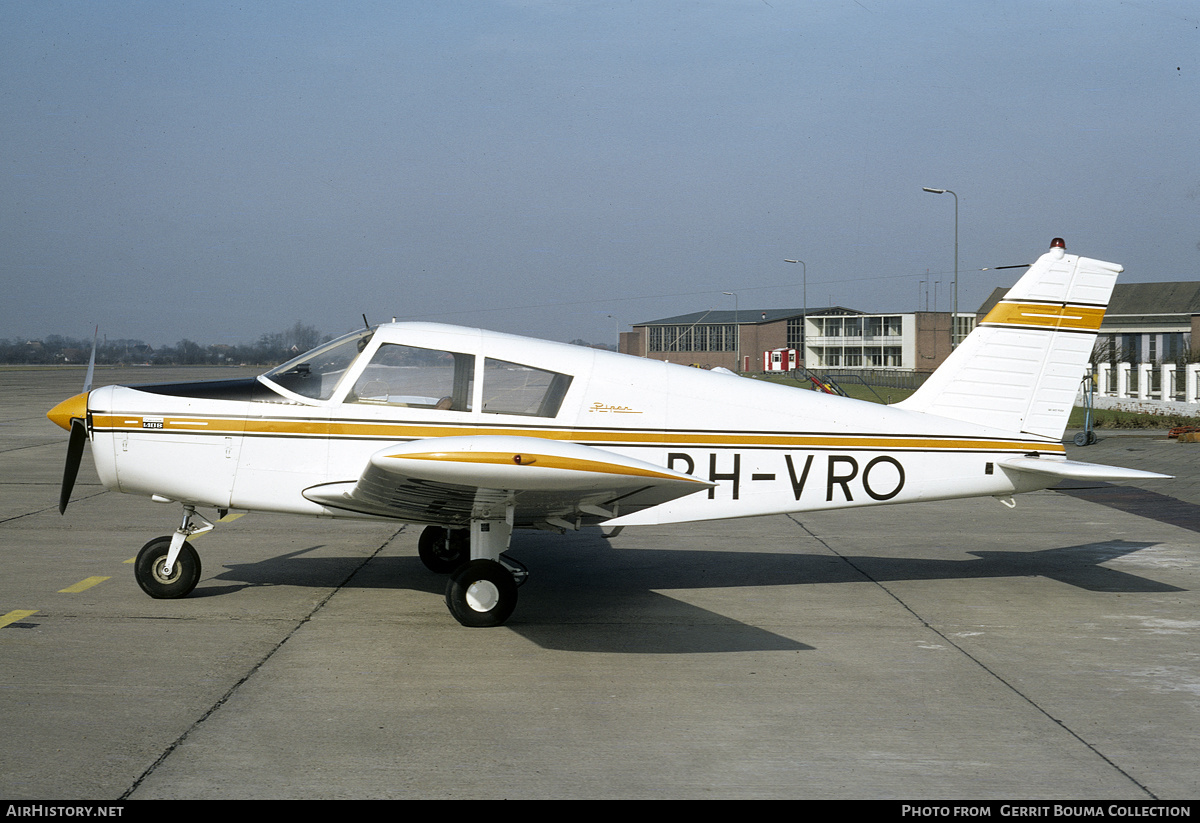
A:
473	433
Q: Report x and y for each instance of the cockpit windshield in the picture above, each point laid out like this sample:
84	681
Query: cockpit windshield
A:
316	373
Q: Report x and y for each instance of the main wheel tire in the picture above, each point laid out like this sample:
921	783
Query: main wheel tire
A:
444	550
481	594
148	569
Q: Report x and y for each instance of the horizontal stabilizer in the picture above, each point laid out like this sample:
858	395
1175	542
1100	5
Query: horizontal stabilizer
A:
1077	470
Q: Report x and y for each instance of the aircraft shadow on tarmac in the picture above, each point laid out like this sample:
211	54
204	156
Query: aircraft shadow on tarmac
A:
586	595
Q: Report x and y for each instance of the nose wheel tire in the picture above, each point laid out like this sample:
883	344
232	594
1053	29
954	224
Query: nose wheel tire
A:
150	570
481	594
444	550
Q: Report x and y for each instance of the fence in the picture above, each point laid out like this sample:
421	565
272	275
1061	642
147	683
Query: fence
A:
1147	387
882	378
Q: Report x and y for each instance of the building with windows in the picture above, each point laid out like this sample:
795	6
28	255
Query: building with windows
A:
1145	324
829	338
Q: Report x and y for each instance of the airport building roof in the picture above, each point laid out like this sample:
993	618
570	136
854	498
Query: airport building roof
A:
744	316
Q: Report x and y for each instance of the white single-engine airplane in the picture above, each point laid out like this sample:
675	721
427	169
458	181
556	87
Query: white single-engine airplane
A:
474	433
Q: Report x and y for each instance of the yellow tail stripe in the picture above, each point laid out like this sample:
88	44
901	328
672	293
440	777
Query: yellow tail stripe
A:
1039	316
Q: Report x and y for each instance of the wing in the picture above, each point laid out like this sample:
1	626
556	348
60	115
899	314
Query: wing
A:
452	480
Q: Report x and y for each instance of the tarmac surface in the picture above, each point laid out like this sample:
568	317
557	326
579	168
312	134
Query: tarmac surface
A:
922	652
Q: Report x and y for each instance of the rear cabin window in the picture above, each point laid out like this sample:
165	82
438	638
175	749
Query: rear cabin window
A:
421	378
511	388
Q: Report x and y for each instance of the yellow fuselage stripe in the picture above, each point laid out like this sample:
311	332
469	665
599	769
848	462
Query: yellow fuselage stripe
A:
677	439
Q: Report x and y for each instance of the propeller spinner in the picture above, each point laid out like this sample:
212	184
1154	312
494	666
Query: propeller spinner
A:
71	415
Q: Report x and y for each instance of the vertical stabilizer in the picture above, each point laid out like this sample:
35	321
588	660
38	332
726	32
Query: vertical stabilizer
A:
1020	369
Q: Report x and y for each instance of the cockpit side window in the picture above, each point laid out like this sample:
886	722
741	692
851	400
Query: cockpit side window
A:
316	373
421	378
511	388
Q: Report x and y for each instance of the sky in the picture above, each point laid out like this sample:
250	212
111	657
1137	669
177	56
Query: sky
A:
214	171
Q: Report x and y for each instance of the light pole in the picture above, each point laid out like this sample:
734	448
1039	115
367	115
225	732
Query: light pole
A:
954	317
737	329
804	321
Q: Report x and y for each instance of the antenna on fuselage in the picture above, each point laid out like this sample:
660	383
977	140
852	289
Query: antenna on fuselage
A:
365	323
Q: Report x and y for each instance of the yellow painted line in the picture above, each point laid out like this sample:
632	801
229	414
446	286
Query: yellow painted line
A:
83	585
1035	315
14	616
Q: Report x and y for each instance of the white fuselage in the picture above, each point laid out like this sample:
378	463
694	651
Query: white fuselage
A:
768	448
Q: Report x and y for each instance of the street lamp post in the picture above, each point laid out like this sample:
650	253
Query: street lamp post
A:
954	317
737	329
804	321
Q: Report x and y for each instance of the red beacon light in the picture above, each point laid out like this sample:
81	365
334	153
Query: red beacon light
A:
1058	247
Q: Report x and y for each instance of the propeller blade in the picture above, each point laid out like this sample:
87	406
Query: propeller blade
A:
72	413
87	381
74	458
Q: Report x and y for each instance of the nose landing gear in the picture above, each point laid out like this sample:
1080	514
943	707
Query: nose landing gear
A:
168	567
162	580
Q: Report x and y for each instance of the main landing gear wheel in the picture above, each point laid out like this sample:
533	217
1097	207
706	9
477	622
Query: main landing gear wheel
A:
481	594
151	561
444	550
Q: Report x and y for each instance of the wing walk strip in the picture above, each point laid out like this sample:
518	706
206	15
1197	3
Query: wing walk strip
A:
408	431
